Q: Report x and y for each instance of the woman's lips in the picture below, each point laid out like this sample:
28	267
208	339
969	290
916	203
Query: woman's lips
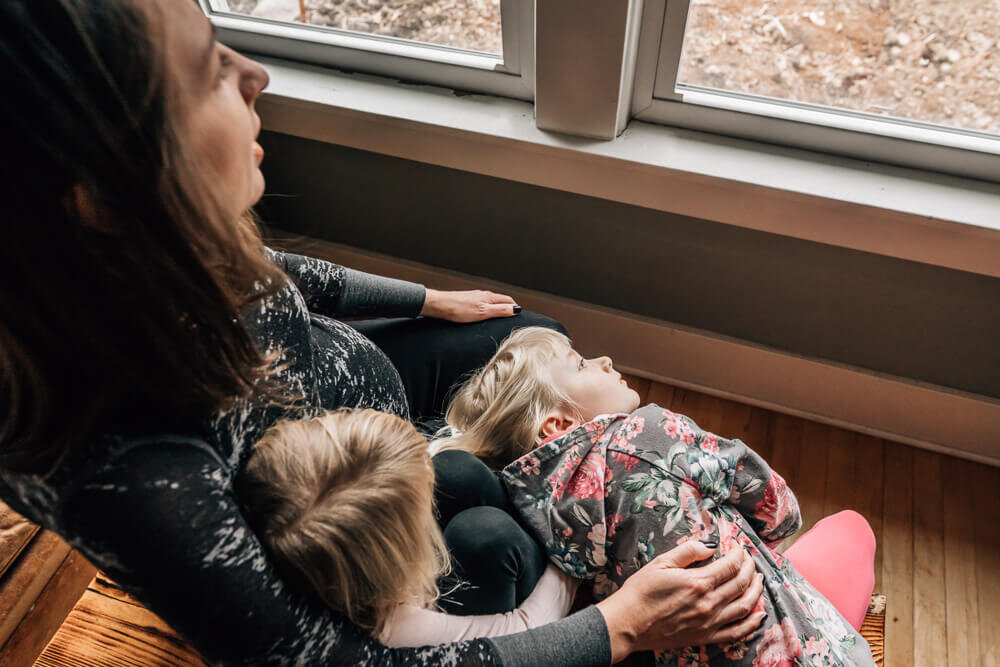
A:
258	152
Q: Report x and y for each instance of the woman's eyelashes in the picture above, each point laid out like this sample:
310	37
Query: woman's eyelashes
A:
224	63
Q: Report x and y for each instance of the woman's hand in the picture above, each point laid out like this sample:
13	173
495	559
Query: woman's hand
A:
663	606
468	306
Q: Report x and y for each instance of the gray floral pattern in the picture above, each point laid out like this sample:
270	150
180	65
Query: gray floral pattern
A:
612	494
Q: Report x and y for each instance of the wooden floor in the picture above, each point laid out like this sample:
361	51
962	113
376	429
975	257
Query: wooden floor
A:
935	518
110	628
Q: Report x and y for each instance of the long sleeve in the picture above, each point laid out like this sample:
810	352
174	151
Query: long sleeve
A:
333	290
762	496
738	476
549	601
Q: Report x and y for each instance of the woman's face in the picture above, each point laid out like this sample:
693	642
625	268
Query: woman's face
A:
213	90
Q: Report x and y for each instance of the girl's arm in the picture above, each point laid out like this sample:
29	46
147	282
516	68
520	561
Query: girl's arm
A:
729	472
758	492
549	601
333	290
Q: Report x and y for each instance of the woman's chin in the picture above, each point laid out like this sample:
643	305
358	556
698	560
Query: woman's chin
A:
258	188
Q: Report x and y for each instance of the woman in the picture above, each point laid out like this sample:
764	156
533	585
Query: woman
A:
147	339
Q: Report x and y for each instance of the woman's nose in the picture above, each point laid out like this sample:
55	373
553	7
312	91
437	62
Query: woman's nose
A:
253	79
605	362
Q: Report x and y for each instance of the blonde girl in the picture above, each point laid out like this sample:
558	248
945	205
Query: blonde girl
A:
344	503
607	486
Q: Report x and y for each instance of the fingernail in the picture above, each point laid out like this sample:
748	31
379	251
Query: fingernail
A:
517	309
711	544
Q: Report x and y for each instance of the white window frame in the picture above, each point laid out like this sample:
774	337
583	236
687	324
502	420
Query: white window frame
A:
508	75
658	98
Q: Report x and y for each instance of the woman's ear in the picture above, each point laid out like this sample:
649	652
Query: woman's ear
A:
557	422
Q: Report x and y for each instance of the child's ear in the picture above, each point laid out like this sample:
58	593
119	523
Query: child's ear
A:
557	422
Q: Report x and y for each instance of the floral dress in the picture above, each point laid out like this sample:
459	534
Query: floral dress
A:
610	495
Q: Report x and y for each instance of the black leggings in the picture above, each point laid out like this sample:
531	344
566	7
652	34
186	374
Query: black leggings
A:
433	356
497	561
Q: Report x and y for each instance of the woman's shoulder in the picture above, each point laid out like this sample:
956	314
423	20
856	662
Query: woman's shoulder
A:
106	462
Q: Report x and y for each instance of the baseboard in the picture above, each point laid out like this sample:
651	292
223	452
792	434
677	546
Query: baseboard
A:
915	413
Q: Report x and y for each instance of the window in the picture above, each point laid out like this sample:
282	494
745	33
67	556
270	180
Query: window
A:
920	61
474	45
910	82
473	25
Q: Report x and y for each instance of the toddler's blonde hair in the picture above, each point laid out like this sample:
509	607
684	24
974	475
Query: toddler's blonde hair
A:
345	505
499	412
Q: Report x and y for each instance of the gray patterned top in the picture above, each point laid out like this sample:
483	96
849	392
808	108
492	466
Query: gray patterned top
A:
612	494
159	515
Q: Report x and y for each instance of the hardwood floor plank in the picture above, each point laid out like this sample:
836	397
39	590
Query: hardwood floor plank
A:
640	385
810	476
49	611
110	589
786	443
869	471
749	424
684	402
985	483
15	534
760	431
735	420
107	629
961	596
930	645
840	472
786	440
661	394
897	554
27	578
707	412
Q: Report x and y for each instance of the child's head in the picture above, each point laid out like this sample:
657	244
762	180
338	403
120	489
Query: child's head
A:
345	505
535	385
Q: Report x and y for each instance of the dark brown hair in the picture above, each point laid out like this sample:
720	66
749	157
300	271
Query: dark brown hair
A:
121	281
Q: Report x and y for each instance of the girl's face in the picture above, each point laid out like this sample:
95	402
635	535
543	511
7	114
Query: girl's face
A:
593	384
213	90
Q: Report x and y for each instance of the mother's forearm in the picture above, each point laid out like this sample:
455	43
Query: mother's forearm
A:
580	640
333	290
368	294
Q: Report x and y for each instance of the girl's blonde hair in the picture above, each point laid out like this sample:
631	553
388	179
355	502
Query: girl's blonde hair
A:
345	505
499	412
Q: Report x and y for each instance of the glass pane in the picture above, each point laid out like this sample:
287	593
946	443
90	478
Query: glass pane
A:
935	61
466	24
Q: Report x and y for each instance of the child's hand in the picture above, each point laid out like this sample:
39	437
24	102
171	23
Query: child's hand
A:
468	306
664	606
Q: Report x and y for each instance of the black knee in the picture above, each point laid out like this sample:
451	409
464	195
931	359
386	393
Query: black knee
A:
499	561
530	319
462	481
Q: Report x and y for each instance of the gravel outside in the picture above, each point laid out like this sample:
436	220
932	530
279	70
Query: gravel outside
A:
931	60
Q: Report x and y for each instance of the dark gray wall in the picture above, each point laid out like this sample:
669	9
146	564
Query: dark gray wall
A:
904	318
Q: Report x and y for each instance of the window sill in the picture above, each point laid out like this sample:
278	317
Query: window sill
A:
905	213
